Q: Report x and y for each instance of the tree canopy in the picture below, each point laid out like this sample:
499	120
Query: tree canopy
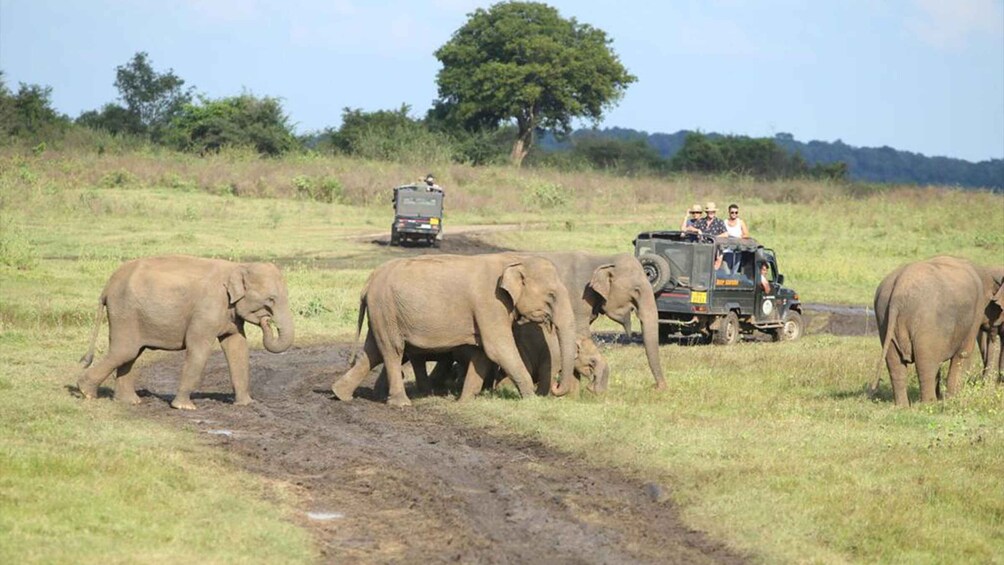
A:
523	62
151	98
244	120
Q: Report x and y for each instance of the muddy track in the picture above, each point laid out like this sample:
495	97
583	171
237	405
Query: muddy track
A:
386	485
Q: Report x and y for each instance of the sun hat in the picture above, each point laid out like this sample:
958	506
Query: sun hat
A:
696	208
710	206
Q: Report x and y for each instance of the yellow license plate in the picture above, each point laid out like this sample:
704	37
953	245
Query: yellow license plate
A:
699	297
434	221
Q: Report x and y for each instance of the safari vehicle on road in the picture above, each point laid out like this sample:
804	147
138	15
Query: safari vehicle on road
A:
695	298
418	215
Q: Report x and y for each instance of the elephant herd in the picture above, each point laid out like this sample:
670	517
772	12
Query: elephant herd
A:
521	316
526	316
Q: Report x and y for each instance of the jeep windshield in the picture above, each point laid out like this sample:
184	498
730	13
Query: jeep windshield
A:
425	204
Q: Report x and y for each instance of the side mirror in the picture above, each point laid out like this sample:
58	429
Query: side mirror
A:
780	279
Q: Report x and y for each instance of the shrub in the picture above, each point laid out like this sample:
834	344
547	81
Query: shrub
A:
16	250
545	195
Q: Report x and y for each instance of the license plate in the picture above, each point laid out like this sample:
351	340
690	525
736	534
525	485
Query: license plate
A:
425	226
434	221
699	297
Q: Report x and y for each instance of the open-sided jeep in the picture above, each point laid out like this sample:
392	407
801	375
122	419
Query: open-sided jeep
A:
418	215
694	298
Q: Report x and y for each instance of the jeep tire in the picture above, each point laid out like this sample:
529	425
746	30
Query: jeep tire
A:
728	330
791	328
657	270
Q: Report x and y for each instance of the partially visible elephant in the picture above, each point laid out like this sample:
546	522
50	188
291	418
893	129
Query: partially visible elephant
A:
538	349
614	285
929	312
178	302
437	303
990	337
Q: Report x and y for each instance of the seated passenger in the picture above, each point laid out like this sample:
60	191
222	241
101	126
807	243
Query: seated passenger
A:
692	223
764	281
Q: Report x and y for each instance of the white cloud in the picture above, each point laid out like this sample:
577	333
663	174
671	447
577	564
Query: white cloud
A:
953	24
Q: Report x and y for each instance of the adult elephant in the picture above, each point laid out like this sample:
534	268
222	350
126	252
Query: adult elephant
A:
436	303
929	312
179	302
614	285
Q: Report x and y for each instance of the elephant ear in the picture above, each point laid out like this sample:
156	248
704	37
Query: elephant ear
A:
999	301
235	285
602	279
513	281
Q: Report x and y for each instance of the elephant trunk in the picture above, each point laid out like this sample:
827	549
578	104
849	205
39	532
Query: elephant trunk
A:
649	317
564	325
601	377
283	324
992	357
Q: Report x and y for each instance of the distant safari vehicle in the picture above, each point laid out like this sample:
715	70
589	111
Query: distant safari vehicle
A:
695	298
418	215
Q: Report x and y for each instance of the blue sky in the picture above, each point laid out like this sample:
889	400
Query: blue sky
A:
918	75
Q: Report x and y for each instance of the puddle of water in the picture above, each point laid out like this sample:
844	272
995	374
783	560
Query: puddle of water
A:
325	516
226	433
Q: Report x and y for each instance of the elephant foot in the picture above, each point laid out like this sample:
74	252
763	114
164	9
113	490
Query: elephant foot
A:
87	389
399	400
132	399
243	400
183	404
661	385
342	392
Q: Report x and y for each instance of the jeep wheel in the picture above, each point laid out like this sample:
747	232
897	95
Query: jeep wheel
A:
728	330
656	268
395	239
791	329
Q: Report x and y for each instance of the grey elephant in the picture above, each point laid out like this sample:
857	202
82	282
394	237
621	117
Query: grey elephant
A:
990	337
437	303
929	312
187	303
613	285
538	348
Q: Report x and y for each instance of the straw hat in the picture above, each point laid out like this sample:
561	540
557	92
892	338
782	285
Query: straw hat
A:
696	208
710	206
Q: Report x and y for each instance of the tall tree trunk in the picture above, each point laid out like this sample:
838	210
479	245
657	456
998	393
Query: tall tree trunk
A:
524	139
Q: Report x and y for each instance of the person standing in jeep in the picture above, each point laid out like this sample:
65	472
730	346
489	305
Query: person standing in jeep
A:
711	224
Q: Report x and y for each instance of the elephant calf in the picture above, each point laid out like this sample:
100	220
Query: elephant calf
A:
178	302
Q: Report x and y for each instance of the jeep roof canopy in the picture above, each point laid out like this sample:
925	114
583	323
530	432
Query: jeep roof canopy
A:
690	256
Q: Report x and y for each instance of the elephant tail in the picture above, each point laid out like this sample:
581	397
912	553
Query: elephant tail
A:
890	331
88	357
359	325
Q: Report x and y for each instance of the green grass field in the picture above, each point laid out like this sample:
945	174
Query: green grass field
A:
773	448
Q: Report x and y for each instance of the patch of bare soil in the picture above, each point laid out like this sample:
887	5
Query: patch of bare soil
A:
384	485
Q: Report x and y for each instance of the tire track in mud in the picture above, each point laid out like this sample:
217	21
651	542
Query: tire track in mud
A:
413	486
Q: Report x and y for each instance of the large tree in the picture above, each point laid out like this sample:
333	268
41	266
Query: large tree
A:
152	99
522	62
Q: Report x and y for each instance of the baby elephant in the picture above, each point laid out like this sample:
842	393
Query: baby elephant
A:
179	302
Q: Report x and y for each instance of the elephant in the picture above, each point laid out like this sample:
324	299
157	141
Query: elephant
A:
990	336
614	285
179	302
538	350
929	312
437	303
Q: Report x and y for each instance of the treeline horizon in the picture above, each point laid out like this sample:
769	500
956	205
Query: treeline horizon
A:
156	108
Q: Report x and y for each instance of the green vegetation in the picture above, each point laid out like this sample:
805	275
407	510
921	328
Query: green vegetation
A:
523	62
773	448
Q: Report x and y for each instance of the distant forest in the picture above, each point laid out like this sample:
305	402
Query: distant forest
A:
869	164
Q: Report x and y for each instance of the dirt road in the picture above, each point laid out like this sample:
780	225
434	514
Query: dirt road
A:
386	485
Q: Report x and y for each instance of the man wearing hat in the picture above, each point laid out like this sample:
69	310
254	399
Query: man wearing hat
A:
711	224
430	183
692	223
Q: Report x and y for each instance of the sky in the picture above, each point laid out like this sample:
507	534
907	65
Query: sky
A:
925	76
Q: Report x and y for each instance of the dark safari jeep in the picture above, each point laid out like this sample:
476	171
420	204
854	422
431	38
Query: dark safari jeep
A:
695	298
418	215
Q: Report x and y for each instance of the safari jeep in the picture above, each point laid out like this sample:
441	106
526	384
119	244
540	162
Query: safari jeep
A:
418	215
695	298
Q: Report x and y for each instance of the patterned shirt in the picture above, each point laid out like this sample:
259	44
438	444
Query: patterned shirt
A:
713	227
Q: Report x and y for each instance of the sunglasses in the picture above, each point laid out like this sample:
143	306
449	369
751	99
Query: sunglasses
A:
692	213
736	212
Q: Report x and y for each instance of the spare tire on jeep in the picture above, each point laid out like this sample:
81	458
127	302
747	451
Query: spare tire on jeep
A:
656	269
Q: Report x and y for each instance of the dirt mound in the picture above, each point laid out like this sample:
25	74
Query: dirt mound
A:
389	485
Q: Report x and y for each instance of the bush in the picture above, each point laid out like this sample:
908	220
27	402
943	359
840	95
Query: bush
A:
16	250
545	195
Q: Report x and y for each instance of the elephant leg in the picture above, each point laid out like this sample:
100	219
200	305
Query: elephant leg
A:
956	369
347	384
97	373
235	349
441	373
928	373
478	368
191	374
505	354
395	381
422	381
125	384
897	376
